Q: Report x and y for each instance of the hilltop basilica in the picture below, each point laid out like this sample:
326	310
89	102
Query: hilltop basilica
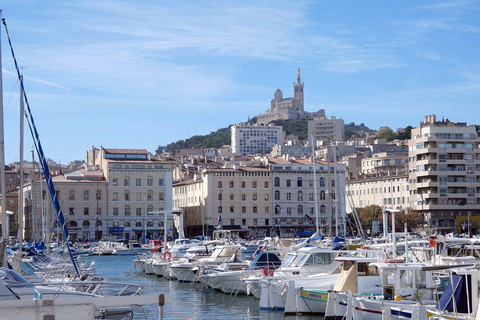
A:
288	108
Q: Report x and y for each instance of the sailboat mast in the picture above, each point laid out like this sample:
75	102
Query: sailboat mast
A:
20	191
315	185
2	163
336	189
34	201
329	188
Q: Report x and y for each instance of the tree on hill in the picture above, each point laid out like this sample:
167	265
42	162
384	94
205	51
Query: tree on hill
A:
215	139
386	133
354	130
297	127
406	134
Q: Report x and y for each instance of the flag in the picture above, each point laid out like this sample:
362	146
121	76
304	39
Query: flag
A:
219	226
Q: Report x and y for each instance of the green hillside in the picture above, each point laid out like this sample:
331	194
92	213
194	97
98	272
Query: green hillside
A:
222	137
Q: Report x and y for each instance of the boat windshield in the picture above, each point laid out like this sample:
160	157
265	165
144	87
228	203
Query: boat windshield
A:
315	258
288	260
303	259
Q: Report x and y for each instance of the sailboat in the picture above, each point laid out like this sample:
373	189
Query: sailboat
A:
33	306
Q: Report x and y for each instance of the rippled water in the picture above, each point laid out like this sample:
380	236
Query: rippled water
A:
188	301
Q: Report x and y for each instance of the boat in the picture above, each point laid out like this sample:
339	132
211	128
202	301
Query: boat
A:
22	299
228	276
186	269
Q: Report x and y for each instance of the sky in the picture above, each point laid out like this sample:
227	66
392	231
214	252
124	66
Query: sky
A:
139	74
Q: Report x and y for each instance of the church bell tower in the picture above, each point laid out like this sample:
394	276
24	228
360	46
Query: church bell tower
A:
298	93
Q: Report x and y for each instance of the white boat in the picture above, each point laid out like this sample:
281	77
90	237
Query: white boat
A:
308	261
177	251
228	277
185	269
129	248
393	284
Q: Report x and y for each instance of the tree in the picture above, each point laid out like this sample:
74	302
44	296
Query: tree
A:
215	139
415	219
368	215
386	133
406	134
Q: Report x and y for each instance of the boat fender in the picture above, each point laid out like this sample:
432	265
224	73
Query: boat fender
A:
399	260
432	241
167	255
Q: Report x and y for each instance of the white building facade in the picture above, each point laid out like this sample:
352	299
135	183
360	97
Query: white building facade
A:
324	128
251	139
137	185
444	174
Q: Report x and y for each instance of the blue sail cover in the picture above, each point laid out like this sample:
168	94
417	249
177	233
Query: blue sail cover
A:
456	289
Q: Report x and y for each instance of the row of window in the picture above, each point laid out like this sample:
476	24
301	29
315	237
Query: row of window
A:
86	211
138	182
86	195
136	224
278	221
288	183
138	211
126	210
243	174
243	184
378	190
386	201
300	195
86	223
138	196
244	222
278	209
244	197
277	196
300	183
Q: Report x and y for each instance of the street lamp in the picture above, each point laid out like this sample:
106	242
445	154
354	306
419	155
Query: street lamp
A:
220	217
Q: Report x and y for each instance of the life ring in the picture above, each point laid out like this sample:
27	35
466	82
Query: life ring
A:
399	260
167	254
268	272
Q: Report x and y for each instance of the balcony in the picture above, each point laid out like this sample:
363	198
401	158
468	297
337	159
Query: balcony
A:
447	207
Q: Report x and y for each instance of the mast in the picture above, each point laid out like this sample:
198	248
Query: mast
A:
329	188
335	189
34	201
315	185
20	191
2	166
46	171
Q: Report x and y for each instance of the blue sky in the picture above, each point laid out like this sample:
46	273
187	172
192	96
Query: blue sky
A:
138	74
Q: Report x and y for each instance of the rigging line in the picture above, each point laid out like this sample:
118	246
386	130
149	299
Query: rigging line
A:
45	167
11	95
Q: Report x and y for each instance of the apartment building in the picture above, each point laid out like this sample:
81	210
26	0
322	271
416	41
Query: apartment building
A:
294	196
139	191
82	195
444	172
324	128
389	190
235	198
188	196
385	161
275	197
250	139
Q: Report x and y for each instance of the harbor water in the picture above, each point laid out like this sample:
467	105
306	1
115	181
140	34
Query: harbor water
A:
185	300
